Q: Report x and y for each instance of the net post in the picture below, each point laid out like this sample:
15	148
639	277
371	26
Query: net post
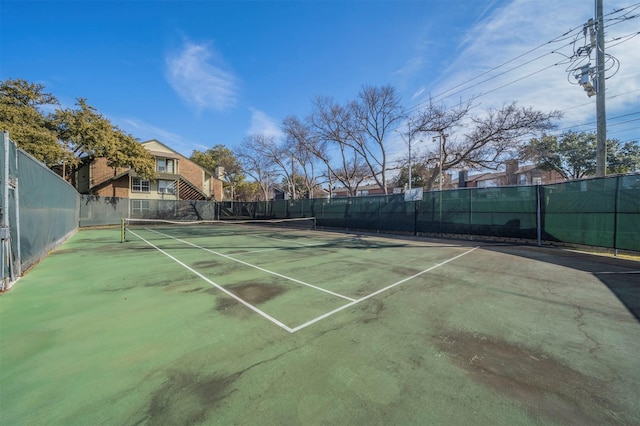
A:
122	231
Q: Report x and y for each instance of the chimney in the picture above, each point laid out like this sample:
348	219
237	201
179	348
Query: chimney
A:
511	172
462	179
219	173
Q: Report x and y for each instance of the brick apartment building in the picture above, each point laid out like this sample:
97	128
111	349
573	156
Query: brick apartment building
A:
177	178
513	175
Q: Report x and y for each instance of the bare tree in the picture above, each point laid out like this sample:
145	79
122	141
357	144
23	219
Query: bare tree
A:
332	129
353	175
299	143
293	127
278	155
486	141
260	167
375	112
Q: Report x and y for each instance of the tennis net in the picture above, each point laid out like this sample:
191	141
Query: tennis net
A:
217	227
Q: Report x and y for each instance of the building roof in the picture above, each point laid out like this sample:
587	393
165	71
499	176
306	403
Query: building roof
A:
362	188
483	176
161	153
493	175
171	153
164	154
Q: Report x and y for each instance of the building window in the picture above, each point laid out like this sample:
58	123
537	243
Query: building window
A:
167	205
139	185
139	206
522	179
489	183
166	187
165	165
537	181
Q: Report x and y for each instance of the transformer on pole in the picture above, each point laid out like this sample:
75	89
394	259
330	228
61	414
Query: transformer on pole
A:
592	80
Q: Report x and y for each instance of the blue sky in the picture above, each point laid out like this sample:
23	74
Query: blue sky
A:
195	74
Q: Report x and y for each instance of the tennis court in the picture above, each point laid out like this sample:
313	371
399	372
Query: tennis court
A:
249	324
314	275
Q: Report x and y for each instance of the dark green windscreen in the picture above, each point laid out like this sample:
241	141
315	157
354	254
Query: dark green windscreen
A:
601	212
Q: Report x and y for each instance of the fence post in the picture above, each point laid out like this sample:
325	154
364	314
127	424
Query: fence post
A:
5	235
5	180
538	215
415	217
615	216
470	207
8	276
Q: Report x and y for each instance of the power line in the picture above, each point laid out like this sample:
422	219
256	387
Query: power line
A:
441	95
608	97
575	57
591	128
509	70
628	37
572	33
624	17
593	122
519	79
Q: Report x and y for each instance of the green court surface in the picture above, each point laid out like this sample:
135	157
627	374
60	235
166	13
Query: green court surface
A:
208	325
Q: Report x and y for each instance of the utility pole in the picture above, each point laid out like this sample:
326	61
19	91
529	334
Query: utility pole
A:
409	144
440	141
410	161
293	180
592	80
601	114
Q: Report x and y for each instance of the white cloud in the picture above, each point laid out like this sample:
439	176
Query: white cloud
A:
540	79
199	79
419	92
262	123
146	131
413	65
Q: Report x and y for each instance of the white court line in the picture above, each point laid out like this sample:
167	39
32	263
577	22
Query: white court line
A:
219	287
254	266
293	242
258	251
276	248
375	293
326	243
310	322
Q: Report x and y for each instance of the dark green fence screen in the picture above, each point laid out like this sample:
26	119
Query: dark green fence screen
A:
601	212
41	208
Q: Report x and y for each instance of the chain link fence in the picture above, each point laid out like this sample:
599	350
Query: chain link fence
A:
39	210
603	212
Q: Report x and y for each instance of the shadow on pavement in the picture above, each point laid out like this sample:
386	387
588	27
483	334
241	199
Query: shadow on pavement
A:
621	276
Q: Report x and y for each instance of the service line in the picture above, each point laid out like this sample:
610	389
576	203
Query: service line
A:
269	317
219	287
375	293
254	266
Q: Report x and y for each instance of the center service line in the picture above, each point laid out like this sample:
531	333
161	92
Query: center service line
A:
254	266
219	287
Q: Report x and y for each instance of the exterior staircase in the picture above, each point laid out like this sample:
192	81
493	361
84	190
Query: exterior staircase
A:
188	191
